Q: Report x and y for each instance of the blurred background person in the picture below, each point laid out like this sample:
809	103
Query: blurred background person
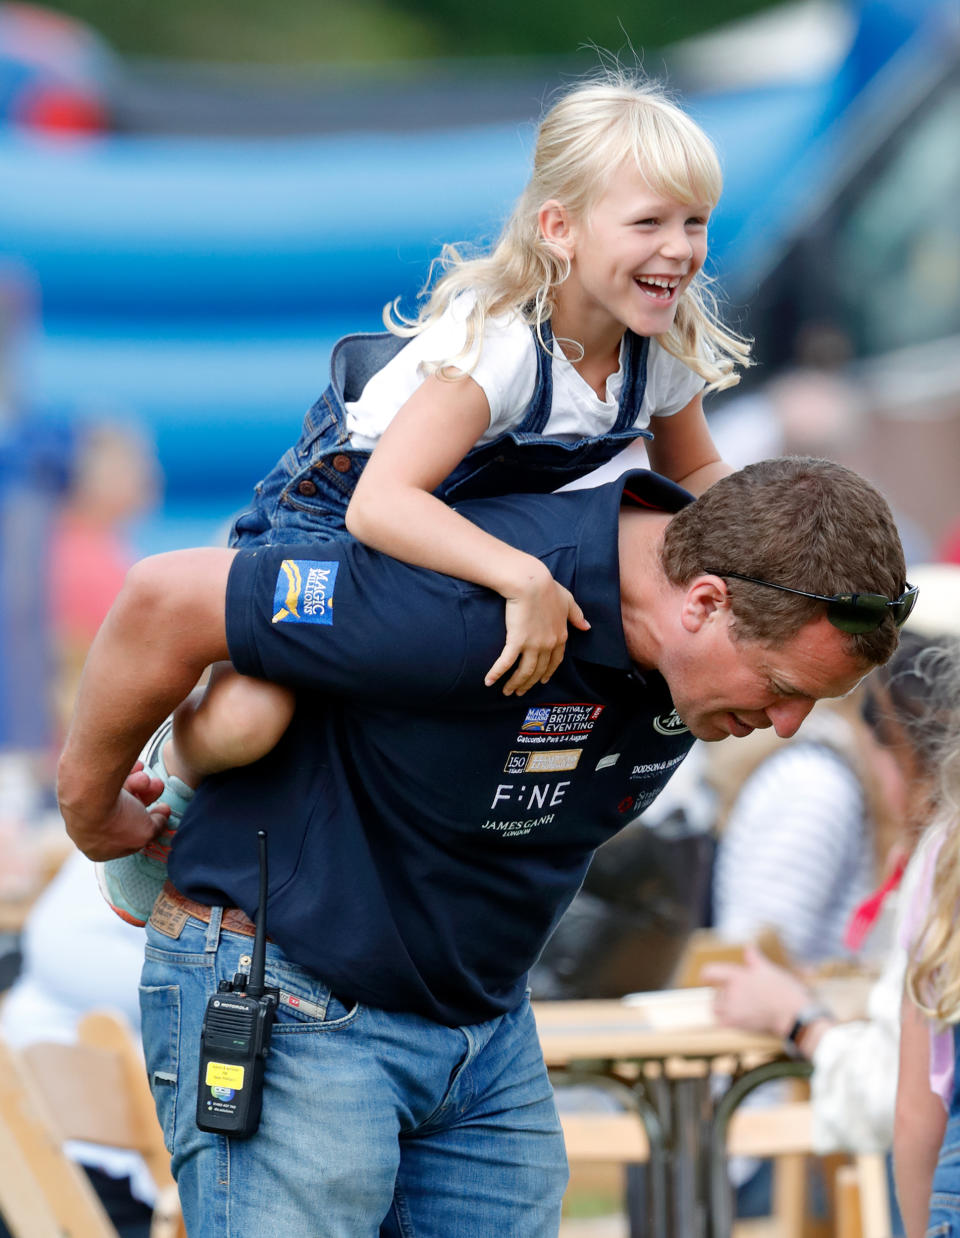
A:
909	706
805	833
113	478
77	957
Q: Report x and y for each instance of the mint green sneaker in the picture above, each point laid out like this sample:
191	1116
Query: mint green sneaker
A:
131	884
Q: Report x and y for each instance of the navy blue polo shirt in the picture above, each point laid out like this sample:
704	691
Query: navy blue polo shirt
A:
426	832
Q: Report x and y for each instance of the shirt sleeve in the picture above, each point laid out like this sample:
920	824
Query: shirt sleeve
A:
339	618
853	1088
917	896
506	369
671	385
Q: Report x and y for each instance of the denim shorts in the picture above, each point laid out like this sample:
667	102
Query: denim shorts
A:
374	1122
305	495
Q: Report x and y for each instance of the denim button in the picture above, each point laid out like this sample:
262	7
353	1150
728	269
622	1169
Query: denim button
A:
307	488
341	463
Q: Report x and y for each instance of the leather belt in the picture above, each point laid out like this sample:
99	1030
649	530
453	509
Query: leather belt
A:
234	920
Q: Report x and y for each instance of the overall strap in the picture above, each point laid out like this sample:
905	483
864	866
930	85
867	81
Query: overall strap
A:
635	352
538	410
356	358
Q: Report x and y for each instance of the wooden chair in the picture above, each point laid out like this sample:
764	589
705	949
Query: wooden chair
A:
862	1203
95	1090
783	1132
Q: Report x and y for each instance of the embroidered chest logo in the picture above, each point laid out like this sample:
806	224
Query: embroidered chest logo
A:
304	591
543	723
670	724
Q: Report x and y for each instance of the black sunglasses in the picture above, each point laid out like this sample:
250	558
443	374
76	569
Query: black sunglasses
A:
853	613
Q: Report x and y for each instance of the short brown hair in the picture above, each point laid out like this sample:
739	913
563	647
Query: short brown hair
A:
797	521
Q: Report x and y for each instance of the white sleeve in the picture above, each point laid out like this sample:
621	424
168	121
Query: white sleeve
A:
504	366
506	369
790	851
853	1088
671	385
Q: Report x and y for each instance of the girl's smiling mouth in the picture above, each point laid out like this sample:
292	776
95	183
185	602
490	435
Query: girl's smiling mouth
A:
658	287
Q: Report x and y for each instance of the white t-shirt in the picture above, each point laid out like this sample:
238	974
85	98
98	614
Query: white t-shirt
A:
506	370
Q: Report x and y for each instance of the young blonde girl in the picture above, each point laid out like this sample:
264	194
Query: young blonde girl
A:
927	1123
587	327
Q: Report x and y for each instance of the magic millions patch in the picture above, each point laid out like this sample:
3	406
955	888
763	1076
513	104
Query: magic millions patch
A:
304	591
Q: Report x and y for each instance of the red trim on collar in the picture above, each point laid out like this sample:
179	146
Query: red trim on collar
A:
642	502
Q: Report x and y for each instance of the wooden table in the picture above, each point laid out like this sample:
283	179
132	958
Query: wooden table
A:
667	1053
646	1027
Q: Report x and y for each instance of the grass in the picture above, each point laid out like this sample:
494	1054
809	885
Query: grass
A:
342	31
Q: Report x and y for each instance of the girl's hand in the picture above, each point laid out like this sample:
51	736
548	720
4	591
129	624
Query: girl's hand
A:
134	820
537	617
144	787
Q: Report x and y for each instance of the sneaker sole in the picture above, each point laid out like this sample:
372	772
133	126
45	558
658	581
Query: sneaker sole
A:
127	916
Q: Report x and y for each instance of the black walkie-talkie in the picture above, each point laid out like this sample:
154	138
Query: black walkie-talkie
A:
236	1036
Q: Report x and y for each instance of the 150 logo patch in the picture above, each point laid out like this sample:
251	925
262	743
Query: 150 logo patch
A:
542	762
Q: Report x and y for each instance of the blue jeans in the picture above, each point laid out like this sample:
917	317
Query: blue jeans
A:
945	1198
374	1123
944	1216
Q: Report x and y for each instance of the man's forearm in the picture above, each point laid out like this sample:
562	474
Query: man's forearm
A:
166	625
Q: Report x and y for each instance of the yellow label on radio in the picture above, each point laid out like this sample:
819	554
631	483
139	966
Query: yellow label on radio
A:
224	1075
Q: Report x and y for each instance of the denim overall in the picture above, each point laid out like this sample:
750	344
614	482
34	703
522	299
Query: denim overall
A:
945	1198
309	488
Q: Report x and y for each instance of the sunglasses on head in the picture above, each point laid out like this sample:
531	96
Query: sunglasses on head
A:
853	613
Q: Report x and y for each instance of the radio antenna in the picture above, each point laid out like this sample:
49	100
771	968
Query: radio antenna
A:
255	986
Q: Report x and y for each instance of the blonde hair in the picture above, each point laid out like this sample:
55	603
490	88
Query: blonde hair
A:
581	142
933	972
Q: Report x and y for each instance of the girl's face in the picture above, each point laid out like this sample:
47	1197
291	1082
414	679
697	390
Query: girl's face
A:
631	256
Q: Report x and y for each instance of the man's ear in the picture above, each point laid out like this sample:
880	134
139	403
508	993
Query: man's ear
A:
556	226
706	601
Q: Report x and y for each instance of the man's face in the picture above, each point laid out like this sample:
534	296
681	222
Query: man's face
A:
726	686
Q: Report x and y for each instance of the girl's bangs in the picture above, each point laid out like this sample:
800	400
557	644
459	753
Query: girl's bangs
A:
677	164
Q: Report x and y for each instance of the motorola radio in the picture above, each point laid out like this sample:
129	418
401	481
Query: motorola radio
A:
236	1037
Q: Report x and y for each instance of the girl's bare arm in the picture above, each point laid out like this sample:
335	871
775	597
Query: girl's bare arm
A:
919	1122
394	511
166	626
683	449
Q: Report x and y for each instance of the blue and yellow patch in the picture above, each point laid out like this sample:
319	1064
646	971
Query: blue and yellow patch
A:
536	720
304	592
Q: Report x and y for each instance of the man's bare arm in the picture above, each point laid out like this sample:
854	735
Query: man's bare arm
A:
166	626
